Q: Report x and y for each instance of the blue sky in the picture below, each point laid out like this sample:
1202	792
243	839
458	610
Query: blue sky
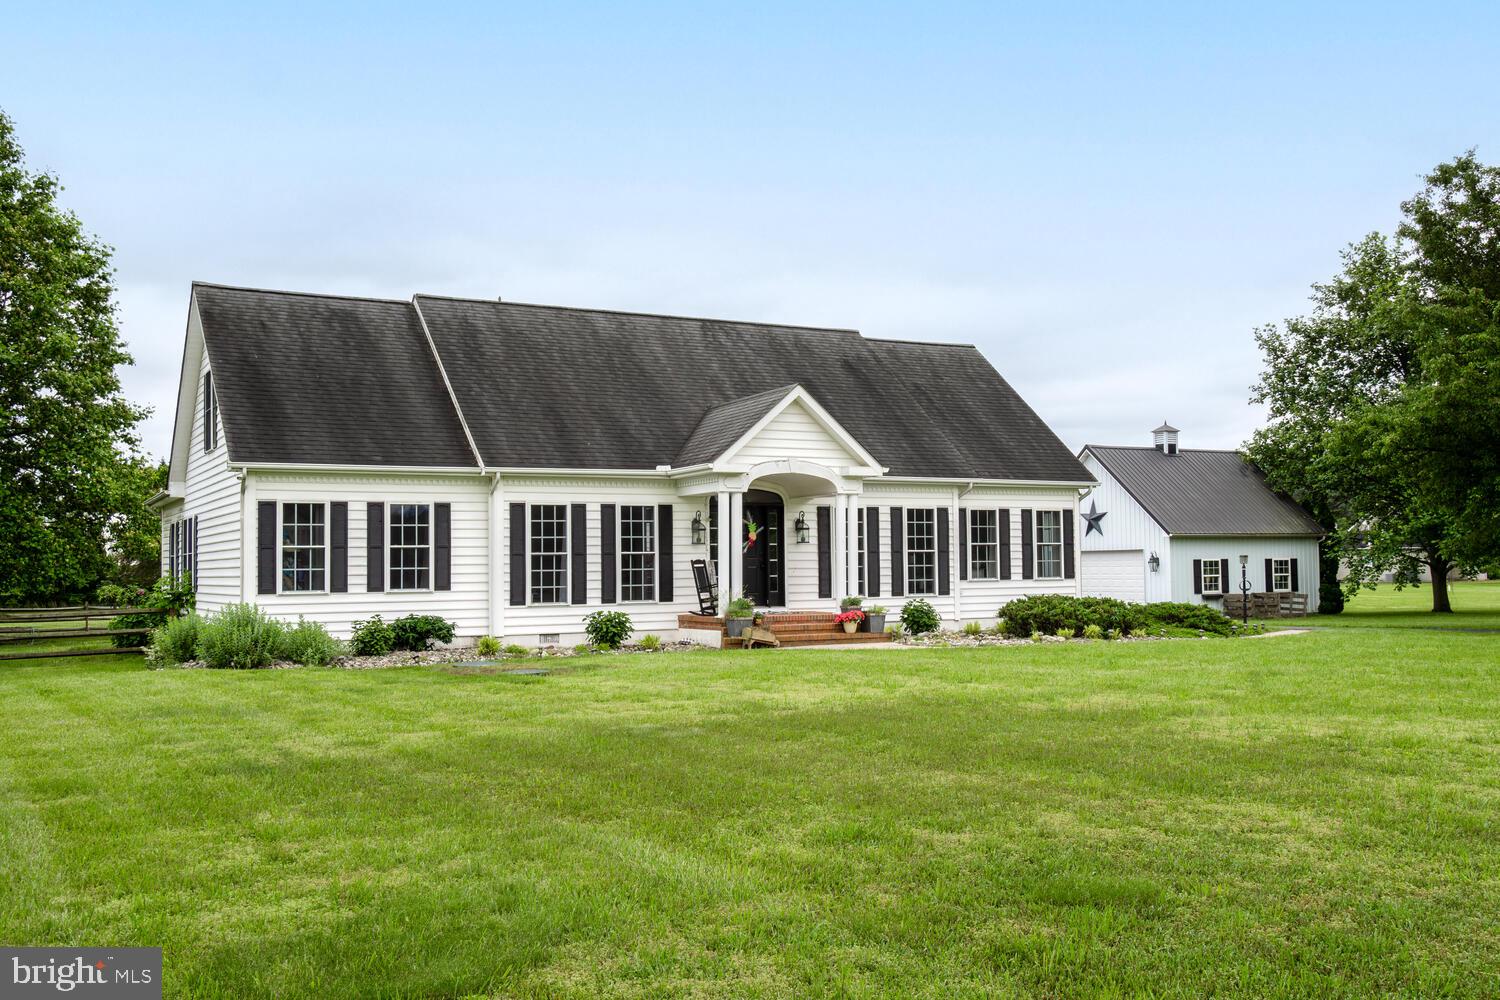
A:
1106	200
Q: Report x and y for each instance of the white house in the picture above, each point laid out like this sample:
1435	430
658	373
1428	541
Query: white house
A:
1171	524
513	467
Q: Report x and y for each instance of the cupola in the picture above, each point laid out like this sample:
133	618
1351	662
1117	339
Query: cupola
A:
1165	439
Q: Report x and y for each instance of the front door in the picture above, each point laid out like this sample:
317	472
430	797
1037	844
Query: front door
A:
763	558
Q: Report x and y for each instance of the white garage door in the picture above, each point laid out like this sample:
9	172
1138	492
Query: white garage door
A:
1119	574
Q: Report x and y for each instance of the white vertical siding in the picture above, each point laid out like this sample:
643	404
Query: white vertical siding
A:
1126	526
1258	548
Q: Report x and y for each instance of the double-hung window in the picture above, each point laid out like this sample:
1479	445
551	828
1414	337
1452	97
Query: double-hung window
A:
410	549
304	547
637	553
921	551
984	544
1212	582
1049	545
549	553
210	413
1281	574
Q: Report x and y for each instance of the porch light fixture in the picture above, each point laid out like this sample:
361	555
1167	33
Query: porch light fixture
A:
698	527
1154	562
801	525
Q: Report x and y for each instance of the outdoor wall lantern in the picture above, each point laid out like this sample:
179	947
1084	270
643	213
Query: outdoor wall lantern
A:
1154	562
801	525
697	527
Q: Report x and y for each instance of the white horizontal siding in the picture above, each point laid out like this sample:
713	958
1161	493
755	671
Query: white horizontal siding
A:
213	496
794	433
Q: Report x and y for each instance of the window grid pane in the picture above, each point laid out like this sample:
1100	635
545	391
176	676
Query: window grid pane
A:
302	547
637	553
1281	574
410	546
984	544
549	554
1049	544
921	551
1211	582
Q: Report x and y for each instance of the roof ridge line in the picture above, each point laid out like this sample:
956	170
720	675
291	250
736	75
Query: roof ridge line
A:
653	315
921	343
305	295
1180	451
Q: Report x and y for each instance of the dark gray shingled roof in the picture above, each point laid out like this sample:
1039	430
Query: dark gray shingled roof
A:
324	380
725	424
1197	492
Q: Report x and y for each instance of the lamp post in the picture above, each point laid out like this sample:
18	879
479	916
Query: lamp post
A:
1244	590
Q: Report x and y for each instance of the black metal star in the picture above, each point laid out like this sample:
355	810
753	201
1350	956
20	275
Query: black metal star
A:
1093	517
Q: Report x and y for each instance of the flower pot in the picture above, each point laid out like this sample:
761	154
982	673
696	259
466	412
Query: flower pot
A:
851	627
875	623
737	626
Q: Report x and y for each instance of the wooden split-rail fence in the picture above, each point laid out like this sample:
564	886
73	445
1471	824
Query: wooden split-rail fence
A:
28	625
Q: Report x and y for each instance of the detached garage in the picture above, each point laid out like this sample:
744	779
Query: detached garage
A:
1165	524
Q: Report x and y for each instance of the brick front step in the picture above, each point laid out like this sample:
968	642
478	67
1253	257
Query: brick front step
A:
860	637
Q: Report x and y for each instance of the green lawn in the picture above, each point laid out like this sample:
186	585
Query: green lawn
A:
1309	816
1476	605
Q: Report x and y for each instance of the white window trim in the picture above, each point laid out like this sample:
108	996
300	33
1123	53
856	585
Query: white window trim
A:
211	418
1037	543
936	583
1218	568
385	547
281	547
655	554
567	557
973	546
1288	574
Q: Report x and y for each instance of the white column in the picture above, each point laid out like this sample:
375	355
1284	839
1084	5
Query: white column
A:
726	548
734	559
836	551
853	560
498	564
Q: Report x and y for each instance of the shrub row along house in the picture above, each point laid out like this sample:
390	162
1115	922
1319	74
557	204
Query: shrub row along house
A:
513	467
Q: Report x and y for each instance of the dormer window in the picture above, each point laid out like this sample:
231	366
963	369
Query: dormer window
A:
210	413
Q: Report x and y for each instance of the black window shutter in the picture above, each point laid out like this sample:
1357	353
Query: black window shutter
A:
1223	576
945	558
518	555
1197	576
1004	524
579	557
1026	552
963	543
1270	580
265	569
374	547
872	551
607	553
195	556
825	551
1295	588
338	549
664	552
898	552
171	550
442	558
1069	570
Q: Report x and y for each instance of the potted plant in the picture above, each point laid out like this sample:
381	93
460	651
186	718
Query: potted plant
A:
737	615
850	602
849	619
875	618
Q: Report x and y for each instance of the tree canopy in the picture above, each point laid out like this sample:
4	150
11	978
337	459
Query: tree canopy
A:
1384	402
68	469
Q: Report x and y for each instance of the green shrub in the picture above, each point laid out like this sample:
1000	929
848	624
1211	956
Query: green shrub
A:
1190	616
895	631
1093	631
1036	636
650	642
169	594
918	616
973	628
372	637
487	645
516	650
583	649
740	607
241	636
421	632
1048	613
309	644
607	628
1065	632
177	640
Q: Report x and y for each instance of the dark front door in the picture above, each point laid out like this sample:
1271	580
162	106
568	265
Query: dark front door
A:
764	576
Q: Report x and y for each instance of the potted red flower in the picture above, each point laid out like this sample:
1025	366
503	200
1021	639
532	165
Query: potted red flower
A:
849	619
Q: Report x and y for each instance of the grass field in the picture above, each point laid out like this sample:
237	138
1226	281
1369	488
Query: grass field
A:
1476	605
1310	816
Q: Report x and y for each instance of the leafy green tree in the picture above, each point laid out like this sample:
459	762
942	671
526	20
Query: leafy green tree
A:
67	432
1383	415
